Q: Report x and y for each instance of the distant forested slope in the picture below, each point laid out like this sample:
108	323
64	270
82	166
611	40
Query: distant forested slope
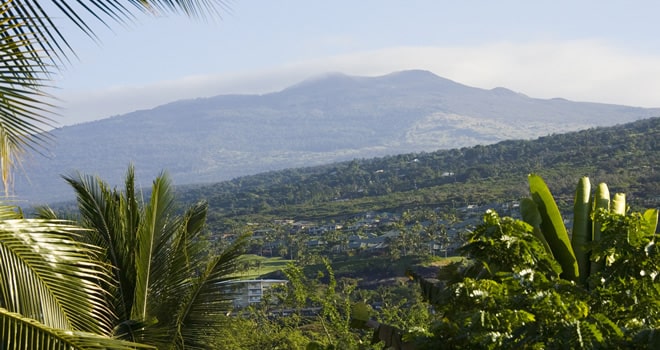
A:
624	156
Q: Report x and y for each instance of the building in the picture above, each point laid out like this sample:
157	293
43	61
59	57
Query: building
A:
249	292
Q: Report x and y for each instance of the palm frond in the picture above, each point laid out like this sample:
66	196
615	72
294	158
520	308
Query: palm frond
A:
101	210
20	332
22	100
38	20
175	283
46	275
178	261
32	47
201	311
9	212
155	232
192	8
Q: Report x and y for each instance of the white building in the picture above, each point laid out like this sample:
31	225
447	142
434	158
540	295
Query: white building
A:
252	291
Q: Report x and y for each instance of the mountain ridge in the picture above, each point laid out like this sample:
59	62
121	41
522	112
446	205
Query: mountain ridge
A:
332	118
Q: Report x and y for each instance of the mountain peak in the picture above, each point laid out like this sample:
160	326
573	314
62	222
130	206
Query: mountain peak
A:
419	78
330	79
331	82
413	74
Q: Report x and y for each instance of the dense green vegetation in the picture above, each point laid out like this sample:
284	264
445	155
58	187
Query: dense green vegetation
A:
428	187
511	295
510	291
624	156
314	311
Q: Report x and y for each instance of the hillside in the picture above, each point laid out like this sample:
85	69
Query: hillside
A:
318	121
624	156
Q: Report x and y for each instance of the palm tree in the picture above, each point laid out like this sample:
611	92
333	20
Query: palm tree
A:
167	289
32	47
53	287
50	287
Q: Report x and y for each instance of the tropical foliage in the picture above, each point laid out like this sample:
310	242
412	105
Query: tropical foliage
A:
54	283
137	272
168	289
315	310
50	286
515	291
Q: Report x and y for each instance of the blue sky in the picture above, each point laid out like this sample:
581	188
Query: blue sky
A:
600	51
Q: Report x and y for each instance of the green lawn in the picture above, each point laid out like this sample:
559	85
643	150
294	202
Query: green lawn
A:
253	266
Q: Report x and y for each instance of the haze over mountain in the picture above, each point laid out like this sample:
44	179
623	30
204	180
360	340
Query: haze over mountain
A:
330	118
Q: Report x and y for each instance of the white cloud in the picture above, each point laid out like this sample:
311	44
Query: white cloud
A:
576	70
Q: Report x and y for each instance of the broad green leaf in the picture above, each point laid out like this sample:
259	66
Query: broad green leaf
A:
581	235
552	227
651	219
601	201
530	214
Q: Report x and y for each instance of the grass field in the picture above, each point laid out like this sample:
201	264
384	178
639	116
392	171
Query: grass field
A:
253	266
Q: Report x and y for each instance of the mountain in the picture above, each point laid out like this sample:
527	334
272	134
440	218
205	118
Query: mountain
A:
624	156
321	120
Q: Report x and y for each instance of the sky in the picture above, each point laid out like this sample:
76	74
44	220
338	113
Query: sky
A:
599	51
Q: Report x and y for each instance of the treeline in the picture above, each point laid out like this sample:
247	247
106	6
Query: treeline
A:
625	156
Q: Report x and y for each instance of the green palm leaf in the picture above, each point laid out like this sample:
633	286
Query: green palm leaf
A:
154	235
172	289
176	265
50	287
48	276
22	106
201	314
17	331
192	310
107	213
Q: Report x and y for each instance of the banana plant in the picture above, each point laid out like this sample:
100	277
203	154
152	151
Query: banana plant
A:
573	254
552	227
